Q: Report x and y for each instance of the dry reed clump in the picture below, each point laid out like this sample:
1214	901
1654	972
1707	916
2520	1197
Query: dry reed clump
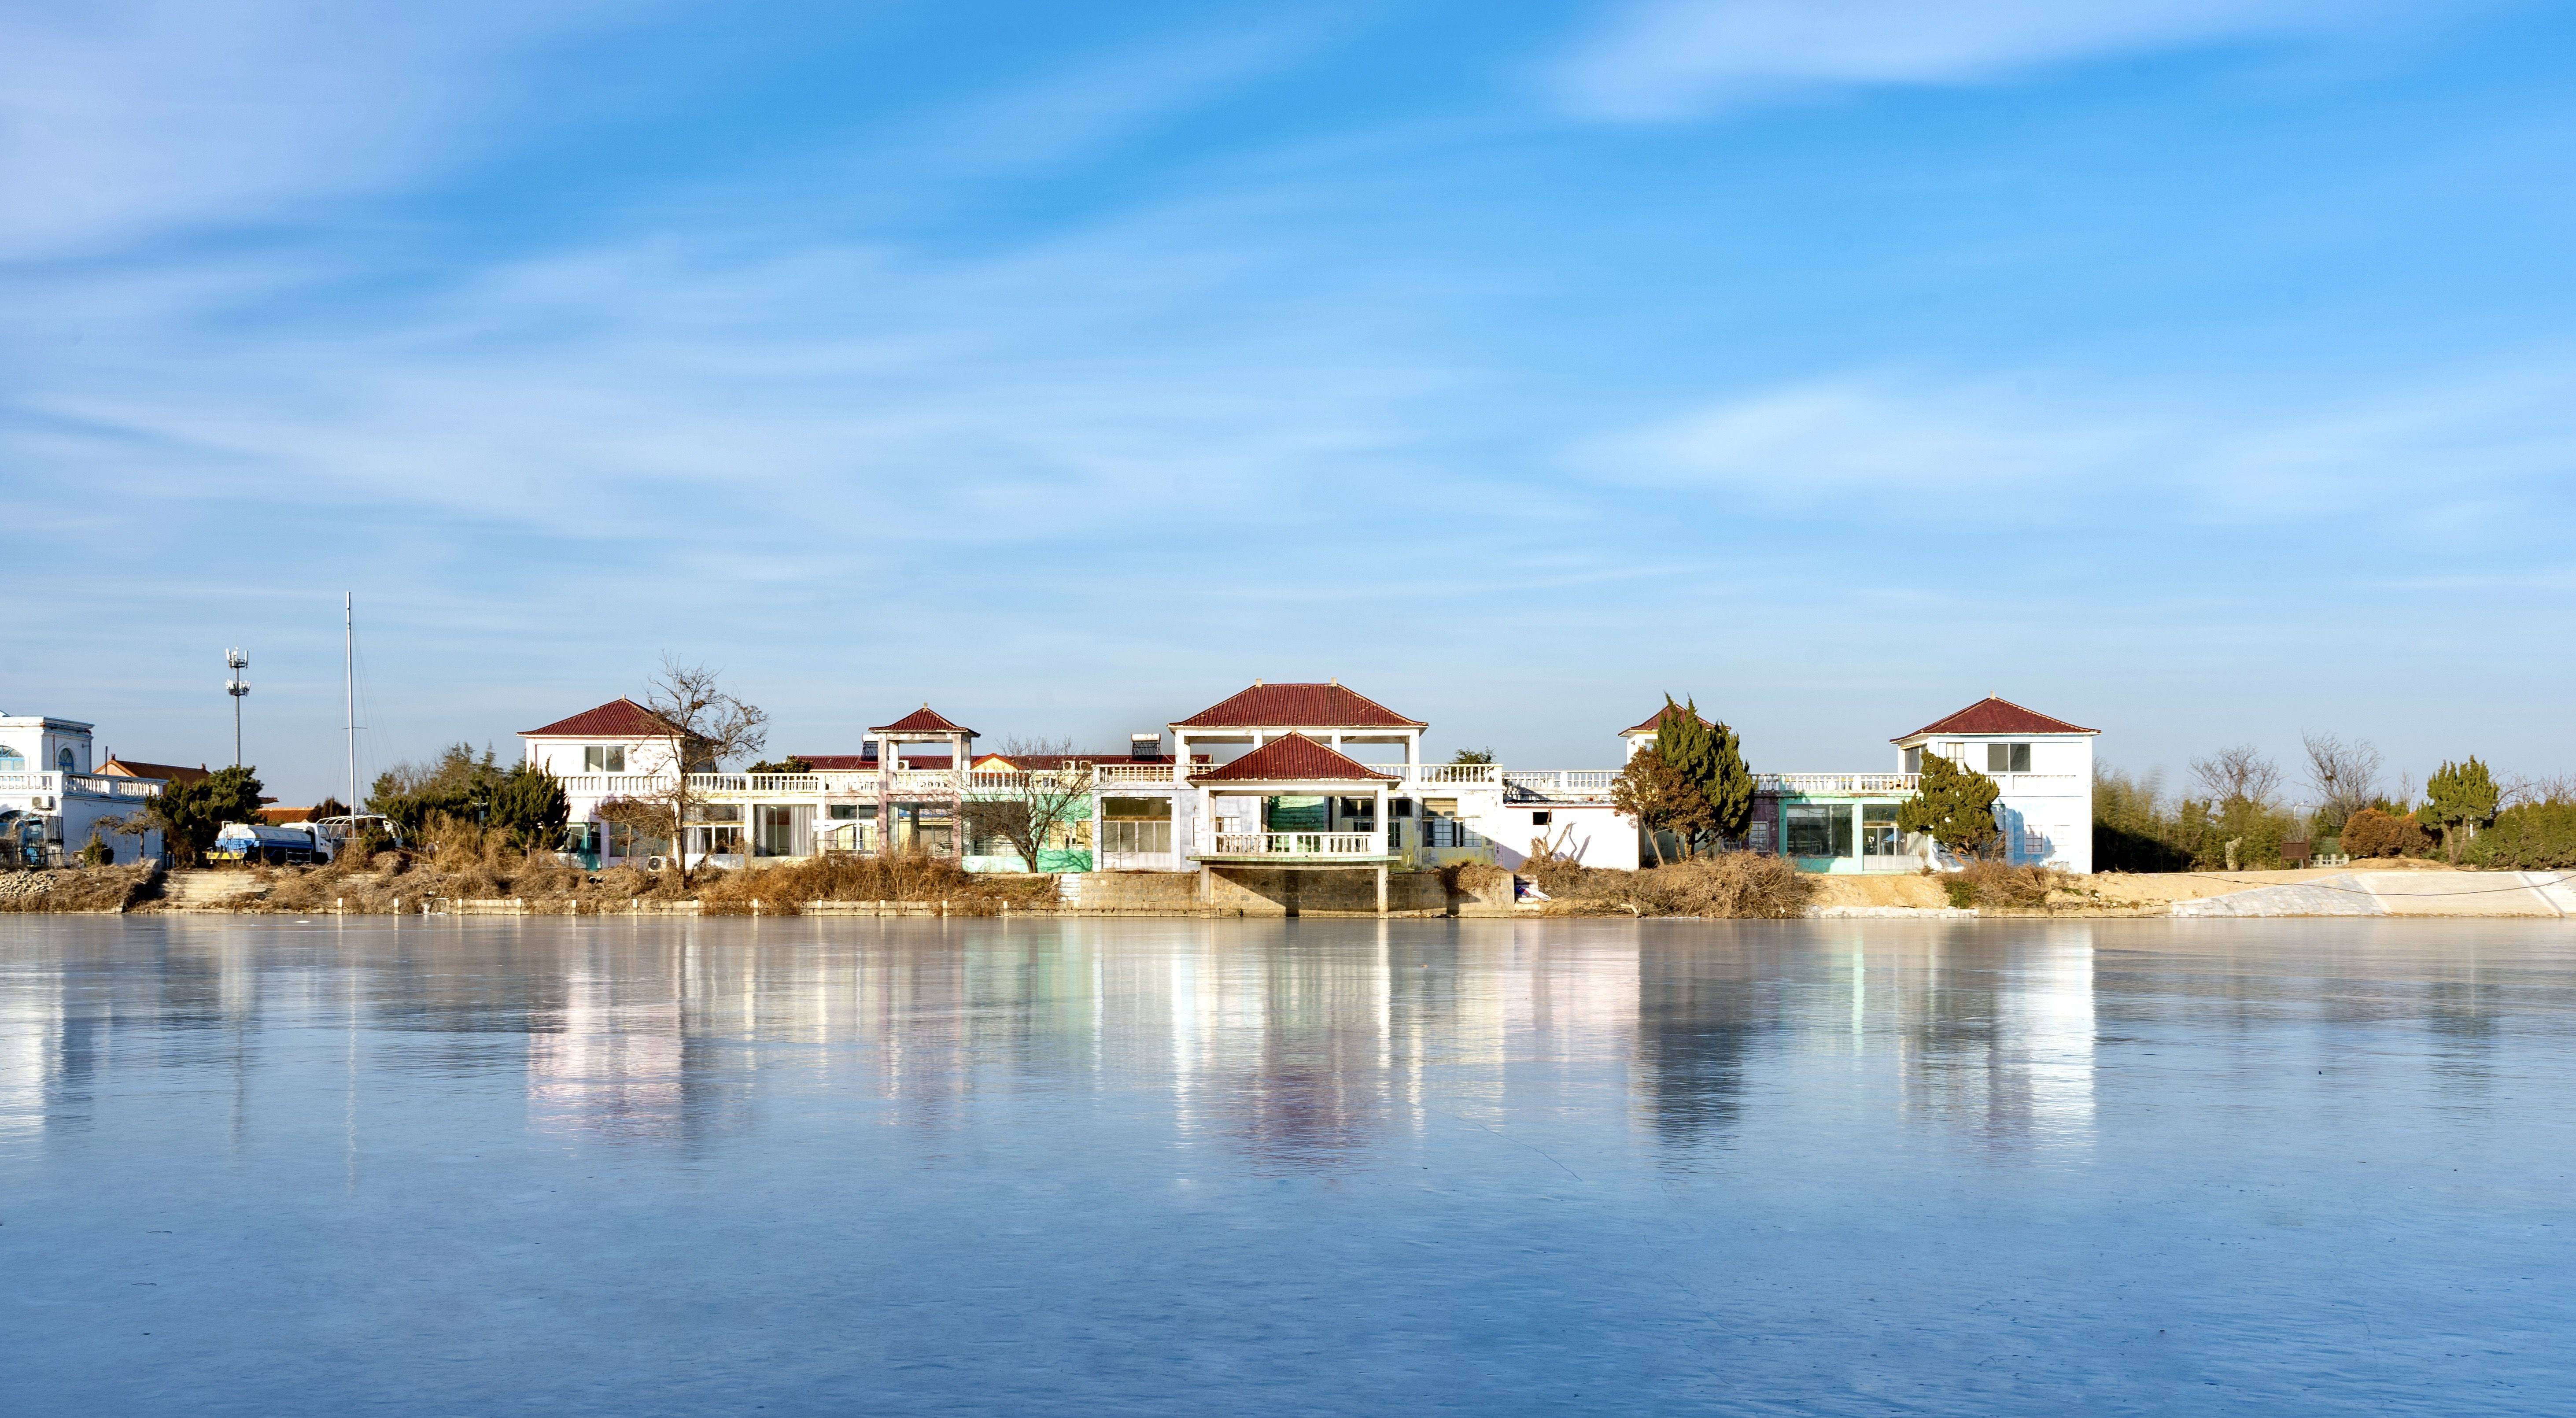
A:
785	890
1471	878
1997	886
1734	885
79	888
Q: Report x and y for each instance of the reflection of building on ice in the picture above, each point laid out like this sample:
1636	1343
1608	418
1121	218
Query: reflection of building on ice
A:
1996	1034
2044	1032
32	1045
605	1067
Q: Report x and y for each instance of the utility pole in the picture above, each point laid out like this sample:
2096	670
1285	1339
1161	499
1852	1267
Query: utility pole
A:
237	662
349	628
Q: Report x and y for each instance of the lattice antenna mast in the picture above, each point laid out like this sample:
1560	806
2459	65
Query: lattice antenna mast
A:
236	686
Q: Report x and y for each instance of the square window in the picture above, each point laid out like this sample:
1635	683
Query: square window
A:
608	758
1542	818
1816	830
2007	758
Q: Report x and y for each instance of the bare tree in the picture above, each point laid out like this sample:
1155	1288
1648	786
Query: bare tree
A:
2239	774
2527	789
2345	776
1050	793
708	728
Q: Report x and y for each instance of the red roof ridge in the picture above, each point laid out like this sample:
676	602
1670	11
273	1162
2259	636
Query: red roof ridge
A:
1332	705
1656	719
924	720
1292	758
618	718
1996	715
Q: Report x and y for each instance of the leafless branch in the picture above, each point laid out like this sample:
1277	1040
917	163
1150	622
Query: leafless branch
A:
2238	774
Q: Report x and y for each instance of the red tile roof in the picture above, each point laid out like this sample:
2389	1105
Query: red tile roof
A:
867	762
1059	760
924	720
1293	759
1298	706
1655	720
1996	716
167	772
619	718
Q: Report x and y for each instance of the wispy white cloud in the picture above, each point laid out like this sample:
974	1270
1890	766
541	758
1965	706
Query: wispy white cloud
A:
1666	59
124	120
2474	453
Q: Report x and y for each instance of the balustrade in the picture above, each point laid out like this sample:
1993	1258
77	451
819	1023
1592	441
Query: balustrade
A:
1292	844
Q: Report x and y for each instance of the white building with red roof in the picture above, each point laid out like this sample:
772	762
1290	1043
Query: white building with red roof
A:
1298	776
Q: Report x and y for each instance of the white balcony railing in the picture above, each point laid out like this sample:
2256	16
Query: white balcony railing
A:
1801	784
1134	772
1565	785
1292	844
88	785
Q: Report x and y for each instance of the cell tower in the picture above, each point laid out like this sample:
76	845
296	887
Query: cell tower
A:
236	686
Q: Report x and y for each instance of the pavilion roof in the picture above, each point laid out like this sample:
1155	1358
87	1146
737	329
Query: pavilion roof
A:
924	720
1298	706
1294	758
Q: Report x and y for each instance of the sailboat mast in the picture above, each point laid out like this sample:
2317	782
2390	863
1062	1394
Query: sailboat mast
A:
349	641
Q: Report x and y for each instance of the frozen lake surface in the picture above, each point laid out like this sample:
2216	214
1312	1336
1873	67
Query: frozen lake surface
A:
1185	1167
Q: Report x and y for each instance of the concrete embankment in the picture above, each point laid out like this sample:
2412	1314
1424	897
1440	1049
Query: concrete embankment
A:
2379	889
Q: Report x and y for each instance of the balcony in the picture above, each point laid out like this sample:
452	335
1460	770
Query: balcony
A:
80	785
1288	848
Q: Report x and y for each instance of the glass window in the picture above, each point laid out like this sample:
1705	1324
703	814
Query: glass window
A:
843	812
1542	818
1914	759
11	760
1359	807
64	762
1816	829
1878	834
2007	758
1137	809
604	758
625	841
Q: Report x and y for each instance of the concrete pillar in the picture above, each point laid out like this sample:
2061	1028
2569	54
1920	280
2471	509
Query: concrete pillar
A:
1381	889
1207	886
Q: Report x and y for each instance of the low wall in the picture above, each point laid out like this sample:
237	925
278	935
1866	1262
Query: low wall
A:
1256	891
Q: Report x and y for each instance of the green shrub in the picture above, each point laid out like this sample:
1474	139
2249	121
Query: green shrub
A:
2532	837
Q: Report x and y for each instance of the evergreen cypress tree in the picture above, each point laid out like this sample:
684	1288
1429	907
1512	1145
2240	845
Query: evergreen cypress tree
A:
2459	795
1955	805
1683	740
1711	758
1730	785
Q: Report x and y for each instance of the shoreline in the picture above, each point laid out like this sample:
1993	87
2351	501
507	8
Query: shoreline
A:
2380	890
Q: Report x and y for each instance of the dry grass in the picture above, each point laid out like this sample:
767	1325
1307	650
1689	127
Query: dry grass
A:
1996	886
476	866
79	888
785	890
1734	885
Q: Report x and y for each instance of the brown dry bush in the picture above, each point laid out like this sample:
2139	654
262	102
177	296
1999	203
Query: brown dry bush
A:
1473	878
1999	886
784	890
79	888
2372	833
1731	885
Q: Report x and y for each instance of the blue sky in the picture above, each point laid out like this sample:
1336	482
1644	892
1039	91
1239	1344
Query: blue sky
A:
2198	371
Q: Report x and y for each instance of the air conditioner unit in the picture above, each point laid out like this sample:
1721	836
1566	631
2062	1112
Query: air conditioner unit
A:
656	863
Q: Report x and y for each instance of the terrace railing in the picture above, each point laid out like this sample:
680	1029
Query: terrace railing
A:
93	785
1564	785
1292	844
